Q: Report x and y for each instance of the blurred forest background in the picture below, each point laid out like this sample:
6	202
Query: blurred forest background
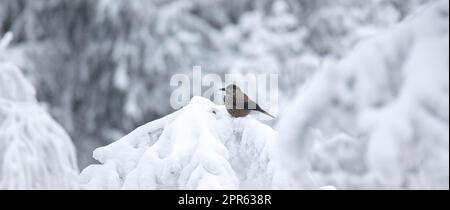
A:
102	67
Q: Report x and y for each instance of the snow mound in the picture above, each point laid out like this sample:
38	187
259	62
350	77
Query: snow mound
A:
380	116
197	147
35	152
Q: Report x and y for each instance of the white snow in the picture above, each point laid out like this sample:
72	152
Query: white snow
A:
197	147
379	117
35	152
5	41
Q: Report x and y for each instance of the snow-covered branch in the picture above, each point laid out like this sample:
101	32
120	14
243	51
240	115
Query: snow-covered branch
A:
5	41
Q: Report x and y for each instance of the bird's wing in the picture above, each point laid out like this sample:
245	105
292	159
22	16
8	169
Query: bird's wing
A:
249	103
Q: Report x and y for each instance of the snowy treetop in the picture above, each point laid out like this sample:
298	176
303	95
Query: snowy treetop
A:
198	147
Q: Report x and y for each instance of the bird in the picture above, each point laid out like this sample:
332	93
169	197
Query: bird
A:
238	104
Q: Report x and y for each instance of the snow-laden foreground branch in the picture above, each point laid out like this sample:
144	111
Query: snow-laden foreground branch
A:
199	147
380	116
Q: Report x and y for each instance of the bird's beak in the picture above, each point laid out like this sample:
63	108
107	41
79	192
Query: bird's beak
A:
223	89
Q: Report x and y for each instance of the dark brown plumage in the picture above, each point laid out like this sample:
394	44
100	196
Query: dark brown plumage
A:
238	104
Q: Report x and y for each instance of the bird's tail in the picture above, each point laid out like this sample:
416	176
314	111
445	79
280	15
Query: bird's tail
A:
266	113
